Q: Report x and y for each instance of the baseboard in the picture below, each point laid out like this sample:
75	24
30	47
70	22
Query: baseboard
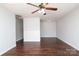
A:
31	41
48	37
69	44
41	38
7	50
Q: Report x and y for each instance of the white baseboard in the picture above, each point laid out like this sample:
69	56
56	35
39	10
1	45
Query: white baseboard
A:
31	41
7	50
70	44
48	37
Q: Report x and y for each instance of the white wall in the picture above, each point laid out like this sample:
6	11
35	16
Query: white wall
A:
48	28
68	28
19	29
7	30
31	29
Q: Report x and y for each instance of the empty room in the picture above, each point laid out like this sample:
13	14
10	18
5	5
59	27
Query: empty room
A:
39	29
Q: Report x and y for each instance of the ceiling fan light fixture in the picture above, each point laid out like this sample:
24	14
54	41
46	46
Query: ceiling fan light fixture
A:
42	11
44	14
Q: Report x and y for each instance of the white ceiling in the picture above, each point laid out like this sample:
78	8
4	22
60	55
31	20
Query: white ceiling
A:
25	10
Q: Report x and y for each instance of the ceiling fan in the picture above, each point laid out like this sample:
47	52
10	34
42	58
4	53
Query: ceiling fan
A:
42	7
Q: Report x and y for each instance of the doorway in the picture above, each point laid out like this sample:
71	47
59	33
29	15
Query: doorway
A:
19	28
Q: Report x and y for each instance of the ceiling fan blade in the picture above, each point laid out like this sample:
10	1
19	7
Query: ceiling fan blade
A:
48	8
35	11
33	5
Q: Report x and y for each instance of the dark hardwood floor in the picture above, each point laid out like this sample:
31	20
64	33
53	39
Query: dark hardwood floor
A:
47	47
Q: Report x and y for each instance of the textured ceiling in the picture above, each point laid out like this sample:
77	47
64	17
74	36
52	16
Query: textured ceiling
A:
25	10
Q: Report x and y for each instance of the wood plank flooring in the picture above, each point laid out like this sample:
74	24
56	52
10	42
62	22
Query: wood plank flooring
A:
47	47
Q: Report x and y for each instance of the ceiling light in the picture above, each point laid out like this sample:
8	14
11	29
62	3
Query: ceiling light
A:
42	11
